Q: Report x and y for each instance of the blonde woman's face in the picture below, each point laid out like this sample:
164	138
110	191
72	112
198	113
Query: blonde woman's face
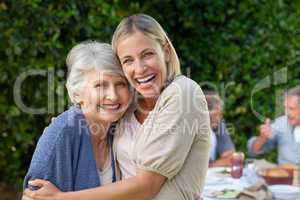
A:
105	96
144	63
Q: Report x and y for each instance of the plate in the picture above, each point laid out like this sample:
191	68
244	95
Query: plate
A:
213	180
219	171
284	189
285	192
222	194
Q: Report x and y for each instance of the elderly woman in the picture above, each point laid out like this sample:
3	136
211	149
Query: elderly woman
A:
164	142
75	151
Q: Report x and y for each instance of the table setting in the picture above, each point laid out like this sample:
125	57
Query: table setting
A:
251	182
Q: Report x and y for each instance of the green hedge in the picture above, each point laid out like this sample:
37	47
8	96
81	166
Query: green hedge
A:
230	46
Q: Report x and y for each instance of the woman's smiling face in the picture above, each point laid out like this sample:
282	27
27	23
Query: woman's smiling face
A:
105	96
144	63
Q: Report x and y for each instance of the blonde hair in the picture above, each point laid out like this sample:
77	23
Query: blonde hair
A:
85	57
151	28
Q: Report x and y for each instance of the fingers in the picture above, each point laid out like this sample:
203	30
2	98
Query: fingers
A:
28	195
24	197
27	198
46	191
35	195
38	182
267	121
265	129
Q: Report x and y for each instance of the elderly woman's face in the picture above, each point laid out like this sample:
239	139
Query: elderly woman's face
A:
105	96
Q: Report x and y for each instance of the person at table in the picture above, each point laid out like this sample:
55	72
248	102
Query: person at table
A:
283	133
222	146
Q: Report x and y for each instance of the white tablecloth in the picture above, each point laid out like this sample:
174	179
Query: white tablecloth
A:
216	182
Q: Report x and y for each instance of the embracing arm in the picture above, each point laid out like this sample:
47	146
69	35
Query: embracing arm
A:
143	186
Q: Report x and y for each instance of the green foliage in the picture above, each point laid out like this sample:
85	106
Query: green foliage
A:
229	46
36	35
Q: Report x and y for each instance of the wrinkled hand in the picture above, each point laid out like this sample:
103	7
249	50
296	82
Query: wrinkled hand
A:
47	191
265	129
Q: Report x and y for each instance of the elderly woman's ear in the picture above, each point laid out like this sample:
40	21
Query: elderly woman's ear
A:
76	98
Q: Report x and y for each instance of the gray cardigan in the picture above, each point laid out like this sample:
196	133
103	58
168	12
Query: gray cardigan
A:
64	154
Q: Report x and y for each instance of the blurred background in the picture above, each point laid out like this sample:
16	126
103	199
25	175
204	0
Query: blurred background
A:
247	50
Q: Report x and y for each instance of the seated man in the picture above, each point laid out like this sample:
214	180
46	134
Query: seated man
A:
283	132
222	147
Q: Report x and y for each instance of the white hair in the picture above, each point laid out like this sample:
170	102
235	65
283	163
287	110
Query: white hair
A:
213	99
87	56
295	91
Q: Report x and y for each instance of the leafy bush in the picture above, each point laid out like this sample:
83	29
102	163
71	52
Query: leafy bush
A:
229	46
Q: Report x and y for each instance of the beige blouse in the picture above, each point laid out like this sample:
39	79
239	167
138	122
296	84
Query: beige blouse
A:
174	140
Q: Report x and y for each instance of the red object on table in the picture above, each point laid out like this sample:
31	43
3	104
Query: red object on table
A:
237	165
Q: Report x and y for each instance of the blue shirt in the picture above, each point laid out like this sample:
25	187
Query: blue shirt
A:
283	139
222	142
64	154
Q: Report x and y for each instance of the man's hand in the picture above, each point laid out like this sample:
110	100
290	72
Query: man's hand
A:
264	136
265	130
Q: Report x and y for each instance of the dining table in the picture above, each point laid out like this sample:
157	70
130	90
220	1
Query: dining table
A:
219	179
220	185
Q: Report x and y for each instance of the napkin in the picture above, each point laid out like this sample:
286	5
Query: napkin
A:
258	191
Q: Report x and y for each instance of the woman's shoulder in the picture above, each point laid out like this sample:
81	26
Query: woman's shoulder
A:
69	118
65	125
184	84
182	87
59	137
184	81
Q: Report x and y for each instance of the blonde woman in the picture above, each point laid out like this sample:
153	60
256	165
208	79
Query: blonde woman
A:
165	152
